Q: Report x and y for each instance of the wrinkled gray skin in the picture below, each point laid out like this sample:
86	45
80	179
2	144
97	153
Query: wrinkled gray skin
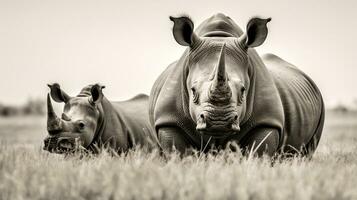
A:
221	90
90	121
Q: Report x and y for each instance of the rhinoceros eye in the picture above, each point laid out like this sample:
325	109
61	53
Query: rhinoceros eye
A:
81	125
194	95
241	95
242	90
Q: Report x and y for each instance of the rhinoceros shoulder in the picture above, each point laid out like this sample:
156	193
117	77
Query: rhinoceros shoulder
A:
270	58
134	100
139	97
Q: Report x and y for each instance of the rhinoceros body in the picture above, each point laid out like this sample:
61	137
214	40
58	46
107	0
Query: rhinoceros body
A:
101	123
127	124
280	98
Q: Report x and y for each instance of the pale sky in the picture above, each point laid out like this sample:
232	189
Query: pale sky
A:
125	45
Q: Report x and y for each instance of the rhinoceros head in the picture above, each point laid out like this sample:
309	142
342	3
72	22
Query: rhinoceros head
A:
218	77
78	123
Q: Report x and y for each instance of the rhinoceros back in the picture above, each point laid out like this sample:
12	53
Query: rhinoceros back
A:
135	117
301	100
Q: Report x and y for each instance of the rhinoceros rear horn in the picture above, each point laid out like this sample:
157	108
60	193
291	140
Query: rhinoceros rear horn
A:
256	34
183	31
57	94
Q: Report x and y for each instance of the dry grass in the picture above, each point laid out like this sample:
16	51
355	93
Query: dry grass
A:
27	172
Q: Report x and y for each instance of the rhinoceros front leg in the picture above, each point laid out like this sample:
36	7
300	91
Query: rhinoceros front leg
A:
261	140
173	138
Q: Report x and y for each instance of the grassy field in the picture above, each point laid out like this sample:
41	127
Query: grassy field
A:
27	172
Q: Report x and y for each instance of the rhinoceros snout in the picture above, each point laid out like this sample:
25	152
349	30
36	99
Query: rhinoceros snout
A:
55	144
50	143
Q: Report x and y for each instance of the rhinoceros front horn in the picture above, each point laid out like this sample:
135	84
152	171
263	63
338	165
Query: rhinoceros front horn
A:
53	122
220	90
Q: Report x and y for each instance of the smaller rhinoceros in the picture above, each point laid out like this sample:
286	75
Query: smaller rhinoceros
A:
89	120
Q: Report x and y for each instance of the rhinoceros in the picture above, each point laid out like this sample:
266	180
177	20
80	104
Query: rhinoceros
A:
91	121
220	91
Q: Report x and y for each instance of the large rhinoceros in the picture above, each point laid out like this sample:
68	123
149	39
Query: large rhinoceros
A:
91	121
221	90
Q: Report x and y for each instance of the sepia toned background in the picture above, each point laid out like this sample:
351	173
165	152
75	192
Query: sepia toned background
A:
126	45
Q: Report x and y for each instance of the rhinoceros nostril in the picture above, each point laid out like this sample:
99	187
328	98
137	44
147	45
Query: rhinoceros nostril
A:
201	123
235	117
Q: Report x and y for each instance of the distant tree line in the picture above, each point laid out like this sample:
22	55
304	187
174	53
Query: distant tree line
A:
340	108
345	108
31	107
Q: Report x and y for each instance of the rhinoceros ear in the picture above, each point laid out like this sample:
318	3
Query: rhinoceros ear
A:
96	94
183	31
57	93
256	34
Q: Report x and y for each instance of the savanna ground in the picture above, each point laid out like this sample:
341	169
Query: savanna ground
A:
28	172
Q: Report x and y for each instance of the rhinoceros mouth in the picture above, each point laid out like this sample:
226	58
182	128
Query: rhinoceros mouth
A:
222	129
217	133
61	145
